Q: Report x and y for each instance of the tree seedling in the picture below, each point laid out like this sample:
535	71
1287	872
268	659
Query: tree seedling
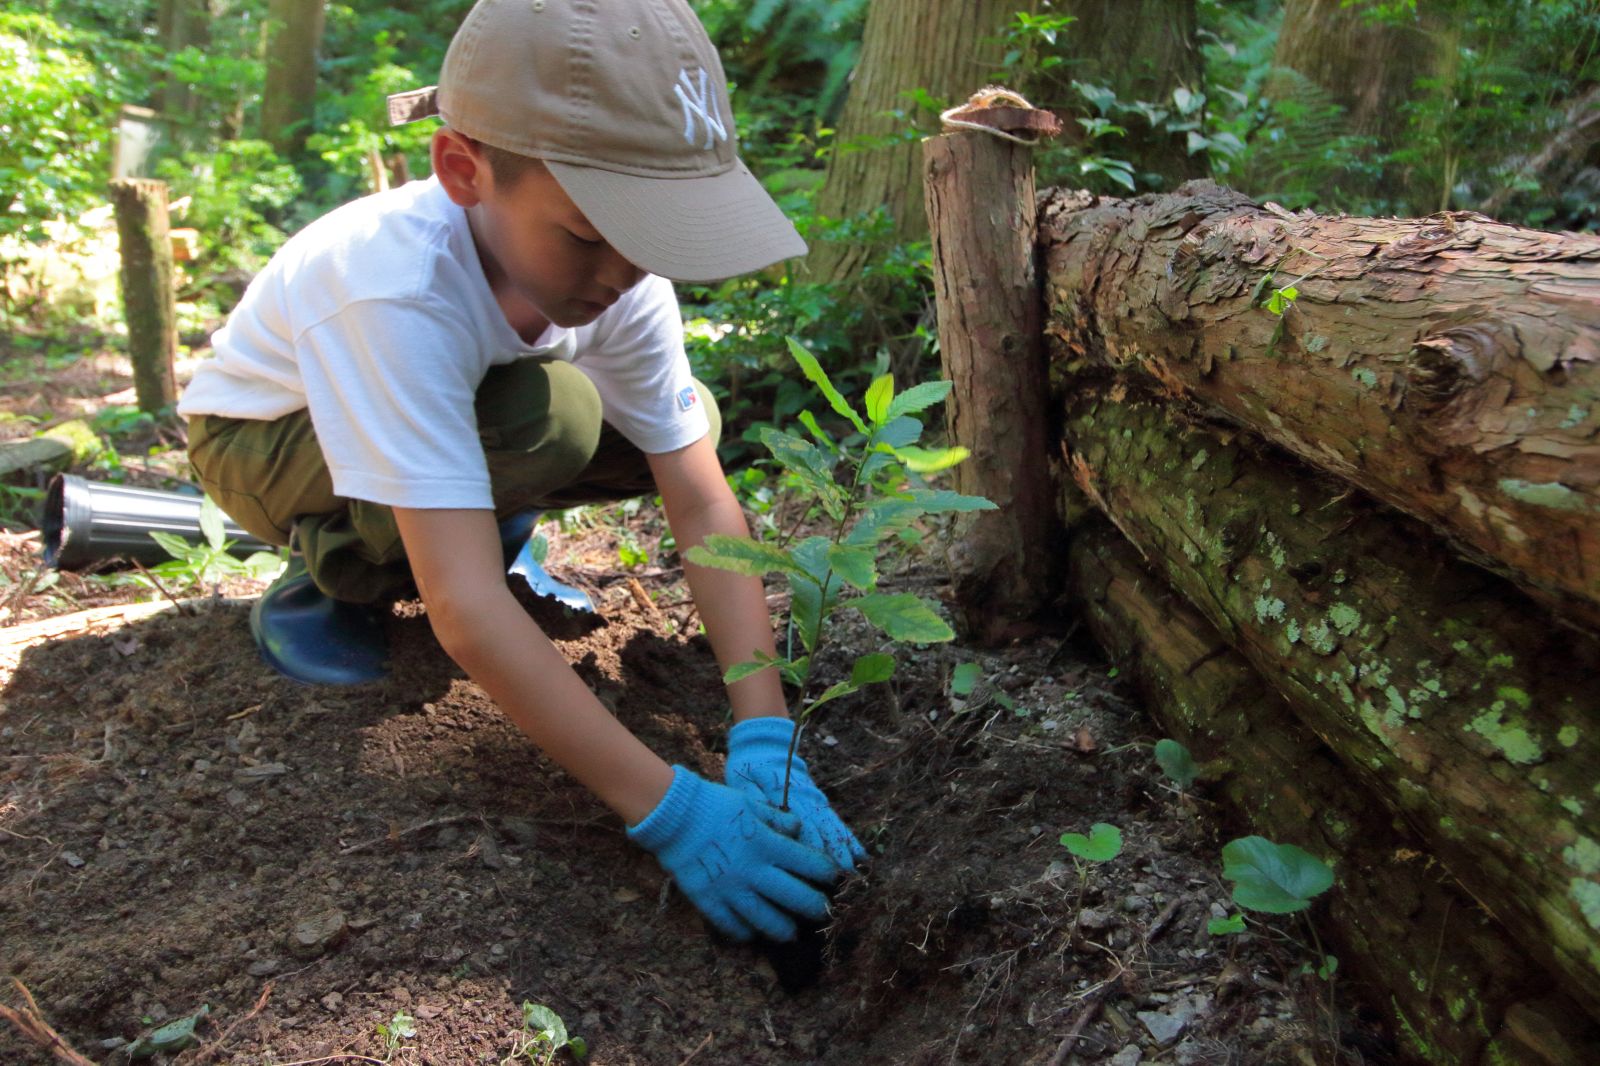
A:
208	563
1176	762
401	1027
1103	844
542	1037
859	483
1276	879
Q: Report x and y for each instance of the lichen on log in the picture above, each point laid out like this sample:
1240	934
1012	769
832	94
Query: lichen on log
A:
1450	366
1446	690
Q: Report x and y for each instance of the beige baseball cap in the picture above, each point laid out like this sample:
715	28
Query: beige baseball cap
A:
626	103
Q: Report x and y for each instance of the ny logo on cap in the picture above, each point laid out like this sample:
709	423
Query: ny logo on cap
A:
699	102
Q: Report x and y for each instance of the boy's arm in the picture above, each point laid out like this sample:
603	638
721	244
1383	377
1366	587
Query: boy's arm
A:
456	558
733	606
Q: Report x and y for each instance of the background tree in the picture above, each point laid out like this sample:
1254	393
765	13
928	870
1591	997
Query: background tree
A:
289	99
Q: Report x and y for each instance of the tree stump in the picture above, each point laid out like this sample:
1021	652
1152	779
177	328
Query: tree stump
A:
148	298
1006	565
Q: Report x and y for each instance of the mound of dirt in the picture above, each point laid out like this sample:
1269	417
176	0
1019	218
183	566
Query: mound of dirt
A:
182	827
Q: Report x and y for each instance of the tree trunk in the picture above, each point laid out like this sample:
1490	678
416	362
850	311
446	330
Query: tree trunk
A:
1453	976
147	289
1451	696
946	47
289	97
180	24
1367	67
1449	366
1141	50
981	212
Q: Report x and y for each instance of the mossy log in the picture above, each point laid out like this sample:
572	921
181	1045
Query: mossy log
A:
1450	366
148	297
1450	693
1455	983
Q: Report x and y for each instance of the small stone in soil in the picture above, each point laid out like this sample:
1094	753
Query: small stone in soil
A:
317	933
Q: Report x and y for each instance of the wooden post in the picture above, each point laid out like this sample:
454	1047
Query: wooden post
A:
981	213
147	291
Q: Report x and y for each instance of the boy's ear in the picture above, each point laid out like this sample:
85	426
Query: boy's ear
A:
460	167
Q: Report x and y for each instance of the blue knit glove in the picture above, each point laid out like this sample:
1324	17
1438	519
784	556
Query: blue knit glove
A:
758	749
734	856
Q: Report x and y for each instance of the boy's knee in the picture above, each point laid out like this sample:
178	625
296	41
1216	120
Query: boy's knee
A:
547	412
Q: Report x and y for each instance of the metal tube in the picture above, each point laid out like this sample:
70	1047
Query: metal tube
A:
84	522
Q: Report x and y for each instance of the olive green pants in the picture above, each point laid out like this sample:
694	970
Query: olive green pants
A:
540	424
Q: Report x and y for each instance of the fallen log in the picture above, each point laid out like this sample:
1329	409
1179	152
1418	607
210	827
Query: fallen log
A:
1454	982
1450	366
1448	693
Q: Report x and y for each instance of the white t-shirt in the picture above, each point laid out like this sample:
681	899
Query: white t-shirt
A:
377	317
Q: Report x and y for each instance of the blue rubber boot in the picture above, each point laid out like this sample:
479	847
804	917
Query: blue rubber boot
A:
310	637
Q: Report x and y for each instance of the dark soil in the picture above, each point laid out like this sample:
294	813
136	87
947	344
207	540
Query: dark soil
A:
179	826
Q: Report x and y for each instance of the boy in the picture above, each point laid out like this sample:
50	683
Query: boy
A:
420	365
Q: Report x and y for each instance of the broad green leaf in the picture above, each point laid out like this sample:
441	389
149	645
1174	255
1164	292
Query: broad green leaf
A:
888	514
211	522
965	678
1103	843
542	1020
811	556
1275	878
795	672
263	566
805	604
903	617
742	555
1176	762
876	462
854	565
937	500
870	669
172	544
899	432
879	395
579	1047
930	460
818	377
740	671
832	692
919	398
810	463
1234	923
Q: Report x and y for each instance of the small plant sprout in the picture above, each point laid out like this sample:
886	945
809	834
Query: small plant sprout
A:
1278	879
858	482
542	1038
209	563
1176	762
1233	923
1103	844
401	1027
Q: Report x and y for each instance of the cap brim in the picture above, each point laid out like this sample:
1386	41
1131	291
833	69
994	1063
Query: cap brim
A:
684	229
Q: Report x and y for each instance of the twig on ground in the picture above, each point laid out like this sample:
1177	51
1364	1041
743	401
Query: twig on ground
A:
183	608
31	1024
1070	1041
698	1048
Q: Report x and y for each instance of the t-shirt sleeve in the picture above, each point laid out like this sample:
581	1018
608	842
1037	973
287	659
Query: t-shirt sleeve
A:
390	385
639	367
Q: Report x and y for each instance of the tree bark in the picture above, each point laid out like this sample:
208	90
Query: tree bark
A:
180	24
1141	50
1450	366
945	47
1451	974
1450	695
981	211
147	289
289	97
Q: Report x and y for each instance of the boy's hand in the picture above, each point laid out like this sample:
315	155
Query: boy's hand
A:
758	750
734	856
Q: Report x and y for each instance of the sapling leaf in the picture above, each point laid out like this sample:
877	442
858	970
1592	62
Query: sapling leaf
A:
794	672
1233	923
842	688
879	395
1330	963
1275	878
211	523
899	432
173	544
1103	843
811	555
854	565
806	606
809	420
872	668
903	617
919	398
965	678
874	463
818	377
1176	762
545	1022
742	555
740	671
930	460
